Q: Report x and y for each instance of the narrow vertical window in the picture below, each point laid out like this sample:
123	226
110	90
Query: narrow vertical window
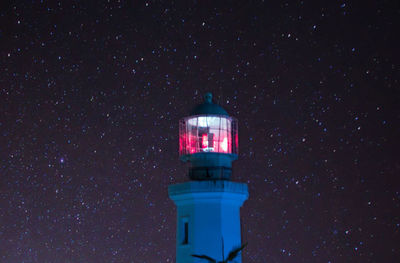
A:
186	234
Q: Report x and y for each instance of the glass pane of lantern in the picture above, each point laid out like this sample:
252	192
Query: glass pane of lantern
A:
207	134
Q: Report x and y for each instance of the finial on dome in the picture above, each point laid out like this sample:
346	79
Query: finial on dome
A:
208	97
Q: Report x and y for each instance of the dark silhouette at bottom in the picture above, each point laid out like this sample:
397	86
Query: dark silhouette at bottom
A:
231	256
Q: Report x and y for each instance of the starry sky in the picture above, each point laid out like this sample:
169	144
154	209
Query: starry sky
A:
90	98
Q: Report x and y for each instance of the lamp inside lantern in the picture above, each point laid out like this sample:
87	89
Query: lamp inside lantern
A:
208	133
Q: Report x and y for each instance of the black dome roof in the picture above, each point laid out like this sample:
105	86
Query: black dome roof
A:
208	108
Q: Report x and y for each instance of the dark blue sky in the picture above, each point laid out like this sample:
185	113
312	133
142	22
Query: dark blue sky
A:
90	98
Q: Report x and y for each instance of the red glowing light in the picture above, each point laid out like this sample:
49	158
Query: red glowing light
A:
204	141
208	134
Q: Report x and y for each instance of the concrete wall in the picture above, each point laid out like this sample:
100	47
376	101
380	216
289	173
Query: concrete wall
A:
212	211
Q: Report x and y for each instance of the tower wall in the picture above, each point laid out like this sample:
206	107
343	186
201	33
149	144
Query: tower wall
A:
208	218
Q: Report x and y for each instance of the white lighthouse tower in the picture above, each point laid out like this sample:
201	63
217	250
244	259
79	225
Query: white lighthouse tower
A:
208	206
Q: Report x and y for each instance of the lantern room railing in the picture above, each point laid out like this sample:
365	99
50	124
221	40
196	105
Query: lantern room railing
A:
208	133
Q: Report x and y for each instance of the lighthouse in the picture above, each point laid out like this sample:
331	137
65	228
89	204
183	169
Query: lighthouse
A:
208	204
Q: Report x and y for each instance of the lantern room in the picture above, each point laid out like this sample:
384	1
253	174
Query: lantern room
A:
208	139
208	133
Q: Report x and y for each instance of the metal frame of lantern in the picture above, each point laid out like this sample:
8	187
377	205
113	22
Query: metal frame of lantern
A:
210	143
208	134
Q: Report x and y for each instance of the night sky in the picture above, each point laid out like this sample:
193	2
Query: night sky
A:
90	98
